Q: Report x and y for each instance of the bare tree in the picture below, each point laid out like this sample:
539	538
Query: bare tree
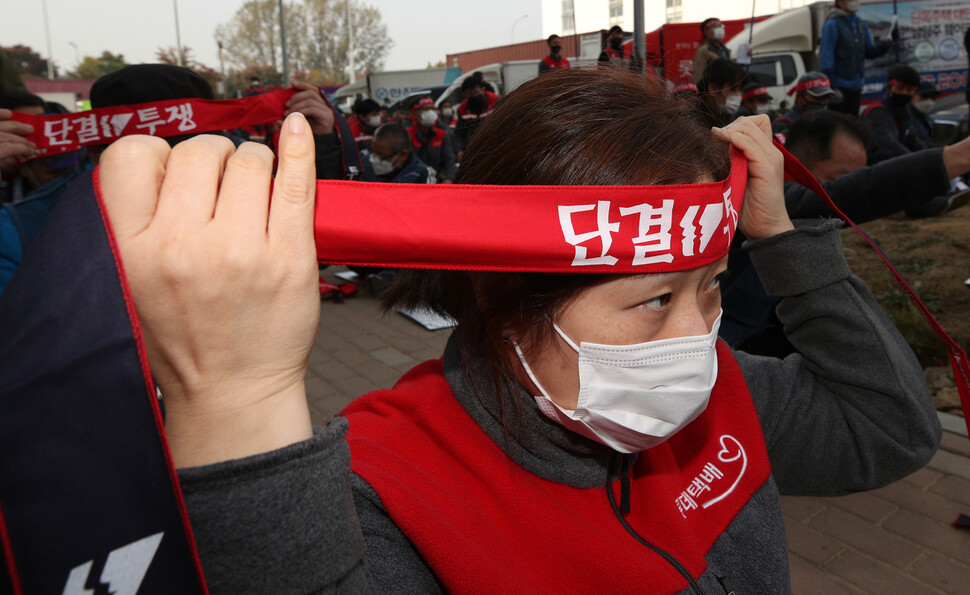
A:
316	40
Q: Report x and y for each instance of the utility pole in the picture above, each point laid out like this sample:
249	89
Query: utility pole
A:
639	35
222	69
350	43
286	66
178	36
50	53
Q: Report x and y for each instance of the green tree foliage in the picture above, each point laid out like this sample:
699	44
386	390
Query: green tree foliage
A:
317	38
27	61
93	68
10	79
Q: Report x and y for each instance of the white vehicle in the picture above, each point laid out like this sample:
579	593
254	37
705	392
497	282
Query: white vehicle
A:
785	46
500	78
392	85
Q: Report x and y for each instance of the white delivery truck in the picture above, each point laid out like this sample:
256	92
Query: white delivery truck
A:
392	85
500	78
785	46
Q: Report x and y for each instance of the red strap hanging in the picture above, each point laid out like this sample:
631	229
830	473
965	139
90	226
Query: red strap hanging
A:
797	172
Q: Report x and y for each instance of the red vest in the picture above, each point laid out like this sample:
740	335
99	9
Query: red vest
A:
490	100
552	64
483	523
358	132
436	140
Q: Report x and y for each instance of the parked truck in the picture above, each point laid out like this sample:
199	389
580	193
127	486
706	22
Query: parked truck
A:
392	85
500	78
785	46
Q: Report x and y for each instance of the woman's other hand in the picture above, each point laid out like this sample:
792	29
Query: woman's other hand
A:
764	213
224	281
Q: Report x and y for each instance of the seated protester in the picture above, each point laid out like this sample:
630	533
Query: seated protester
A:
712	49
720	92
447	116
754	100
525	457
833	147
431	143
919	110
812	92
393	159
555	60
367	120
893	130
478	104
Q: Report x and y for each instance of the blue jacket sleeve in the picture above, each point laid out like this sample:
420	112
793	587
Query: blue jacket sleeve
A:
11	252
830	37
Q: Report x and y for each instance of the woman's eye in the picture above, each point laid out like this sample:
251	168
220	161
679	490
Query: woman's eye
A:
716	281
658	302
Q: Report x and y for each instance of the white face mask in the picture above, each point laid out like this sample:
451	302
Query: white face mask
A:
718	33
762	108
633	397
732	103
446	112
374	121
428	117
853	6
381	167
925	105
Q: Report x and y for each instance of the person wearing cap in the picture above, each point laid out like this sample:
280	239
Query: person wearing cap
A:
430	142
711	49
754	100
893	130
684	89
812	92
555	60
613	52
845	46
920	108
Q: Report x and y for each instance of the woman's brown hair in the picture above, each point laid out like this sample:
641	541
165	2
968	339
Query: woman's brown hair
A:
595	126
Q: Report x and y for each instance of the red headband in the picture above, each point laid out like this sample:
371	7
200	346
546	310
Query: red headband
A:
815	83
589	229
907	86
592	229
755	93
69	132
685	86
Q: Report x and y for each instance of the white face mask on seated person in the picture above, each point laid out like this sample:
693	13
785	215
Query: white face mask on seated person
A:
660	330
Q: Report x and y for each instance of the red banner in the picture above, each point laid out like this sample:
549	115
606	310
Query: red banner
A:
589	229
69	132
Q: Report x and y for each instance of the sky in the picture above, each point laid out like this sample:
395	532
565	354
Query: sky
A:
422	31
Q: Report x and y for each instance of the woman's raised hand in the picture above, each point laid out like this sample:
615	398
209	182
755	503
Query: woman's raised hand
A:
764	213
224	281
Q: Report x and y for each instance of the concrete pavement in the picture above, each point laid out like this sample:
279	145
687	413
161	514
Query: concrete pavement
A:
897	539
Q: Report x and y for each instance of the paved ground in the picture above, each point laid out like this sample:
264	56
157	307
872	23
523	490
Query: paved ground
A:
897	539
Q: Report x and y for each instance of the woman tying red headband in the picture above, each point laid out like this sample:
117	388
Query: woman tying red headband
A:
583	431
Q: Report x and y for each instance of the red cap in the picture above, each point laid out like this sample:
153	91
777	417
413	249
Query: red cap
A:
422	103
